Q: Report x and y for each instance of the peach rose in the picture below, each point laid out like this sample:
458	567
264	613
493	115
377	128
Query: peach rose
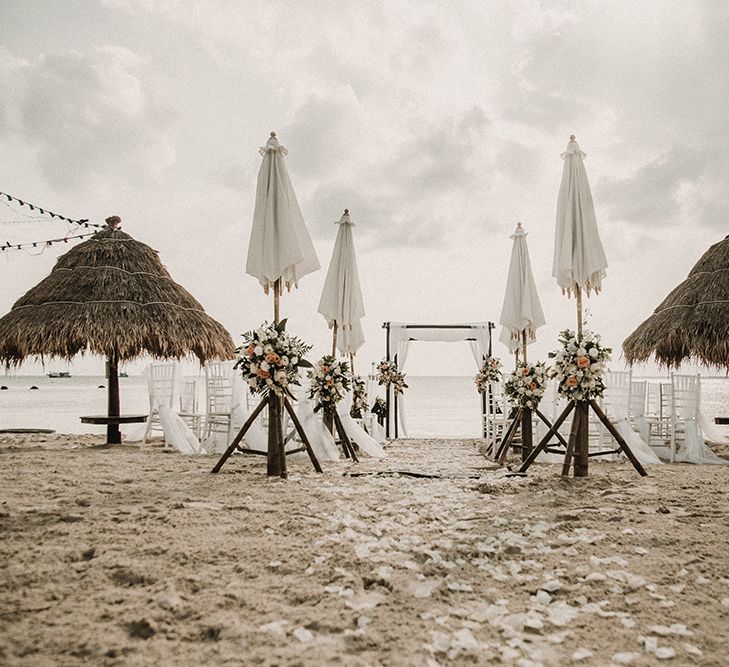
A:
525	371
571	381
329	382
583	362
533	386
249	351
272	358
263	374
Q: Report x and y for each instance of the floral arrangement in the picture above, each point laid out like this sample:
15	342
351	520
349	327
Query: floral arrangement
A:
270	359
580	365
525	386
359	397
387	374
329	381
490	372
379	408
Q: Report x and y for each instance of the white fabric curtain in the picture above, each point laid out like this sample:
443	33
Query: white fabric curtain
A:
401	335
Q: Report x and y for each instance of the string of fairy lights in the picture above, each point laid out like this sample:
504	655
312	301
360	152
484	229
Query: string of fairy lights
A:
41	214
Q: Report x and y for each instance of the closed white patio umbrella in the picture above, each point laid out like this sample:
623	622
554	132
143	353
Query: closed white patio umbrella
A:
280	250
341	301
521	314
579	258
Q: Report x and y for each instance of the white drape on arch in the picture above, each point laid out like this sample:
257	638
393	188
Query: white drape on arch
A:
401	335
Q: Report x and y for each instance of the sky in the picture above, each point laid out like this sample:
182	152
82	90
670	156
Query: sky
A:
438	124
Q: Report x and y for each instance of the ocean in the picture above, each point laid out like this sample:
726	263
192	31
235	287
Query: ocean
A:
438	407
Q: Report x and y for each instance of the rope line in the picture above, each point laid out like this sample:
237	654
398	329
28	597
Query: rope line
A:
689	305
114	268
87	303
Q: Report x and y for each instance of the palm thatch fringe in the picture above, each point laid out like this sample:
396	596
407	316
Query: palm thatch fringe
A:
692	322
111	295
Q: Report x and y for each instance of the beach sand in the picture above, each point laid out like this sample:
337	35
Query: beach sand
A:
128	557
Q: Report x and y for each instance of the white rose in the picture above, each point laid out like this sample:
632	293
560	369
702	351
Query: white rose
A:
581	351
593	352
252	382
265	366
258	350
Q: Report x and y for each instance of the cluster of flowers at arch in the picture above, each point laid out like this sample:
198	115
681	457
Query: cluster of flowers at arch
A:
389	376
489	372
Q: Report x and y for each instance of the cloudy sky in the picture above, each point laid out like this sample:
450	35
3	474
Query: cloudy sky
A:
438	124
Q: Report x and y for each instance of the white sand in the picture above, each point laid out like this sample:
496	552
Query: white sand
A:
122	557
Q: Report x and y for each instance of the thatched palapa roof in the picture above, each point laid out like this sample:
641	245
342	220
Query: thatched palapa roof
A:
692	322
111	295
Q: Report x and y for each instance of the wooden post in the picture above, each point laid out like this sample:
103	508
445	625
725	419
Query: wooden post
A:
524	344
582	442
275	459
579	310
387	387
277	301
526	433
113	434
572	442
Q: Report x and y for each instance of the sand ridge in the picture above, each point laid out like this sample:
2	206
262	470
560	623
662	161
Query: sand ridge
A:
137	557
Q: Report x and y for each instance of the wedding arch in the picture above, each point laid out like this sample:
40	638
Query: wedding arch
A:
399	337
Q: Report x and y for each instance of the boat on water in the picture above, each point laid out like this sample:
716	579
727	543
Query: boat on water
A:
59	374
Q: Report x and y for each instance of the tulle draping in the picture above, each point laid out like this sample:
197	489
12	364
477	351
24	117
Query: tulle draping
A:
355	432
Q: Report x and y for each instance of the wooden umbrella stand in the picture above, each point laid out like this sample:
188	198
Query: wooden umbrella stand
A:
521	420
276	455
576	451
347	445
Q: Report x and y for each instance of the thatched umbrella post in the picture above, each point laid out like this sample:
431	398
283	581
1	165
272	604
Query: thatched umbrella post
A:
113	434
111	296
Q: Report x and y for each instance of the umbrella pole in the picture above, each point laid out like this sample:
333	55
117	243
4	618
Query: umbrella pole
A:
334	339
582	445
351	362
579	311
527	441
113	434
277	301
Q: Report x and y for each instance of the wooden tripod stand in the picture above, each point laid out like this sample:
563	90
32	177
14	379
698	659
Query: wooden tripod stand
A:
333	421
522	420
576	448
276	454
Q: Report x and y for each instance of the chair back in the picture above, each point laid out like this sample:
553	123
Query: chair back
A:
638	390
616	399
188	397
685	397
161	380
219	387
